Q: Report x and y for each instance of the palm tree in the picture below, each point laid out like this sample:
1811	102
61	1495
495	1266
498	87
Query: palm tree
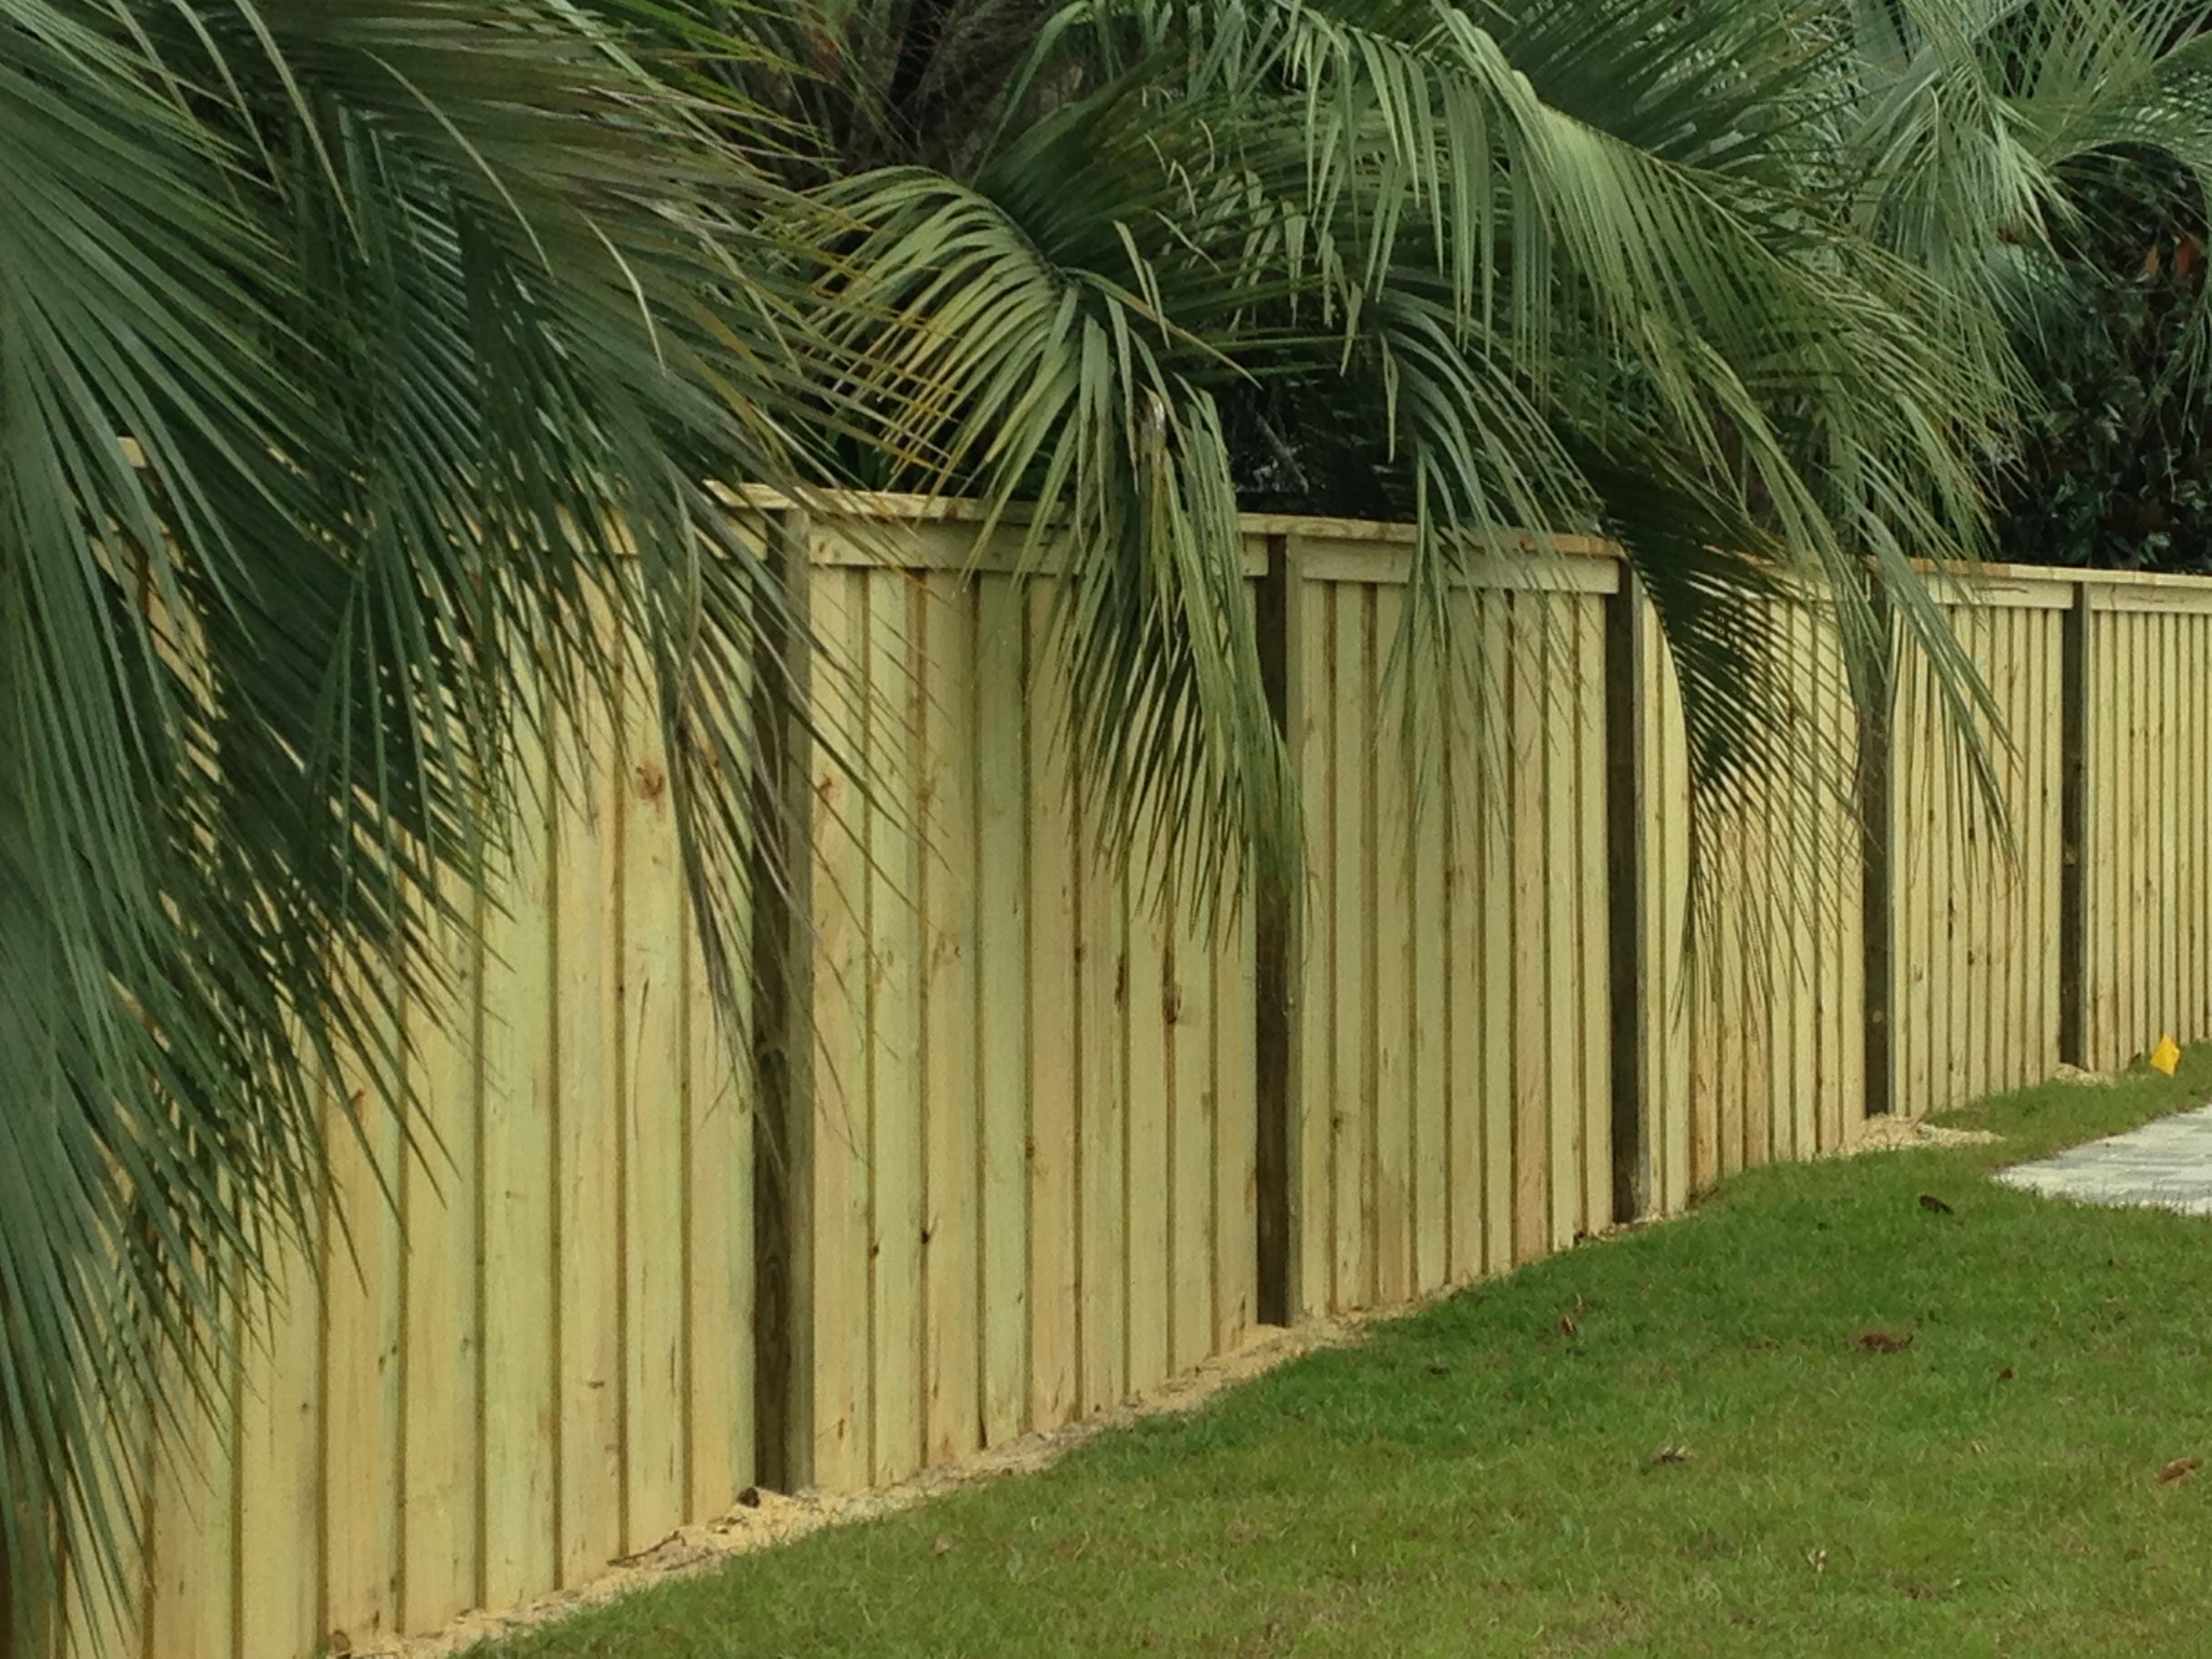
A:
358	365
365	368
1574	267
1736	285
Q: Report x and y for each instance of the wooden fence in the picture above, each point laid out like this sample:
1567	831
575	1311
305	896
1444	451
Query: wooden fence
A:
1020	1146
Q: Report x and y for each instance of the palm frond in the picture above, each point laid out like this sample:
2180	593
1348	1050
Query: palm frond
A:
355	362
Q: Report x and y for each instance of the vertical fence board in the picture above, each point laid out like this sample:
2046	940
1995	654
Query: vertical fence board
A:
951	1229
1561	694
718	1289
1194	1138
1054	1083
1593	921
439	1455
1145	1113
1003	878
1464	806
1532	1081
1443	1159
897	619
1102	1145
651	979
589	1346
1497	761
278	1475
1236	1170
362	1261
1350	693
520	1286
1389	917
191	1570
840	881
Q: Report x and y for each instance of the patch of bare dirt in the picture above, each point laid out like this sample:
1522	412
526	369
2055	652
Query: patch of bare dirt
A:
2081	1079
1901	1135
771	1518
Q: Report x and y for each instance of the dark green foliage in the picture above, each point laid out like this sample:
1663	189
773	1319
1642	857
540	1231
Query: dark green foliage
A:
2115	467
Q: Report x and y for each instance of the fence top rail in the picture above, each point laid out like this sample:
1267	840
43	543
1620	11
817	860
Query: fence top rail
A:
2028	586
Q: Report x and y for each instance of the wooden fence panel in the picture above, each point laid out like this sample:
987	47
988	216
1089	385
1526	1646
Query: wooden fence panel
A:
552	1367
1752	1034
1455	1109
2149	839
1033	1156
1975	963
1030	1177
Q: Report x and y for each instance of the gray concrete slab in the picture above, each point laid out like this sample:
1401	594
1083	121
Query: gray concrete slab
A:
2167	1164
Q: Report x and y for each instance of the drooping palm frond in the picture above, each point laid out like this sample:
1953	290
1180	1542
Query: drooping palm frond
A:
363	368
1552	267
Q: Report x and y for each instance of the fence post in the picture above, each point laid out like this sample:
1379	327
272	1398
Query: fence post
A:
1276	942
1877	912
1627	677
2074	831
782	952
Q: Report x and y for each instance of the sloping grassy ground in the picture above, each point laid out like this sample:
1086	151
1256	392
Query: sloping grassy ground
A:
1480	1480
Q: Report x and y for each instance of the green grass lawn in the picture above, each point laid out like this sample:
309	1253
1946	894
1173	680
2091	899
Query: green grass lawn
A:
1478	1479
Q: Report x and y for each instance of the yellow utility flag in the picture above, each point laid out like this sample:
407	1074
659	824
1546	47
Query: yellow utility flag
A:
2165	1056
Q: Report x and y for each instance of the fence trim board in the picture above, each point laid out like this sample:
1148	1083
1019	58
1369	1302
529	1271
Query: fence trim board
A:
2012	589
2145	598
1346	560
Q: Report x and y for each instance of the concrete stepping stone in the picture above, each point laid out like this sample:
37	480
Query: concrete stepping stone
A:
2167	1164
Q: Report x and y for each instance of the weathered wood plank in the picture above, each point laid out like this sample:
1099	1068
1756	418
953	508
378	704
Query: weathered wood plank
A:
654	1184
1146	1196
1442	1160
1463	806
589	1192
840	880
720	1210
363	1260
1495	911
279	1473
1003	877
1533	1082
1194	1131
521	1112
1236	1171
898	1141
1352	1103
950	827
1390	916
1103	1262
192	1568
1310	706
440	1522
1593	921
1564	981
1055	1077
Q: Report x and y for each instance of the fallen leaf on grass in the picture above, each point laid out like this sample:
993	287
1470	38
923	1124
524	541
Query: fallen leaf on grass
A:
1883	1342
943	1545
2179	1470
2005	1376
1933	1205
